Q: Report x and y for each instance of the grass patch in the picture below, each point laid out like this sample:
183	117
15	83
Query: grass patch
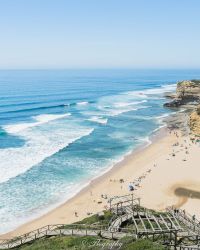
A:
98	220
143	245
90	243
65	243
102	219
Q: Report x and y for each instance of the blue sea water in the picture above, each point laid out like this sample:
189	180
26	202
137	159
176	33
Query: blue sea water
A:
61	128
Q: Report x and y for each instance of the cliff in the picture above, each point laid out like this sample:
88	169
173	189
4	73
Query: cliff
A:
194	121
188	96
187	92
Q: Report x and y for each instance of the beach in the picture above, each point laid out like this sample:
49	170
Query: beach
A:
99	125
55	140
167	176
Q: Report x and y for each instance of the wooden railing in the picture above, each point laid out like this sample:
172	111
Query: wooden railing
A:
112	231
188	248
64	230
191	222
52	230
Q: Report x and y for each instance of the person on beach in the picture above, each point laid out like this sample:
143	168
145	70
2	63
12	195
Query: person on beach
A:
130	186
121	180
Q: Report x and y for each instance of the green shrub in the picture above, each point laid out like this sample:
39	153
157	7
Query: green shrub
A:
142	245
64	243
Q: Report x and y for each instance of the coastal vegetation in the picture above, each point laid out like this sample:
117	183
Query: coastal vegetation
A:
92	242
74	242
137	226
128	227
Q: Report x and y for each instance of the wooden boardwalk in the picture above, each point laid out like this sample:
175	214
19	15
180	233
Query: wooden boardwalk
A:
176	229
61	230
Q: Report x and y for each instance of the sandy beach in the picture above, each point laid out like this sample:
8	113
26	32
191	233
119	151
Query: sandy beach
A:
167	176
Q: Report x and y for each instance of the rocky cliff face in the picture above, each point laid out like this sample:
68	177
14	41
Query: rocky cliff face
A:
194	121
188	96
186	92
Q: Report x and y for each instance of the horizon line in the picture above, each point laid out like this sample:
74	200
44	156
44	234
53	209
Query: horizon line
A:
101	68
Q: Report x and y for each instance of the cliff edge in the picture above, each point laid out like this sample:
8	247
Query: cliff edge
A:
187	92
194	121
187	96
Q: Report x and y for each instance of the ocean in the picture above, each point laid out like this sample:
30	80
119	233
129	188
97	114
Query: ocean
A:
61	128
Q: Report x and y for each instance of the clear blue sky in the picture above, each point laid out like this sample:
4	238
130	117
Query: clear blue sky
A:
99	33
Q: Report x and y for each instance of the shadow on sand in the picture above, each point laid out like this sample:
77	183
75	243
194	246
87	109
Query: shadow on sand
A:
184	194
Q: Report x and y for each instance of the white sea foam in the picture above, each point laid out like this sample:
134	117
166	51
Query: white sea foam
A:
129	101
160	118
98	119
127	104
162	89
41	142
39	120
107	107
153	91
115	105
116	112
109	112
82	103
137	94
146	140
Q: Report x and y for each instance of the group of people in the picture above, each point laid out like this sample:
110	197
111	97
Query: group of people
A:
177	211
182	148
136	183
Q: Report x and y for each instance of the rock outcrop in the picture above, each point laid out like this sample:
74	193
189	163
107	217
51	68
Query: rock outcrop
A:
188	96
194	121
186	92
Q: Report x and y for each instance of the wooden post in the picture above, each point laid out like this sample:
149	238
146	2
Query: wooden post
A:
175	240
197	238
132	199
170	236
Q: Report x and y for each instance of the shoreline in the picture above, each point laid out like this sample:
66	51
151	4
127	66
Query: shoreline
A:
156	135
166	179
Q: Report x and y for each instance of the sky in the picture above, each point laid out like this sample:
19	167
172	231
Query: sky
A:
46	34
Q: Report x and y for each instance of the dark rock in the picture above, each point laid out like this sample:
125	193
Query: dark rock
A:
187	92
174	104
